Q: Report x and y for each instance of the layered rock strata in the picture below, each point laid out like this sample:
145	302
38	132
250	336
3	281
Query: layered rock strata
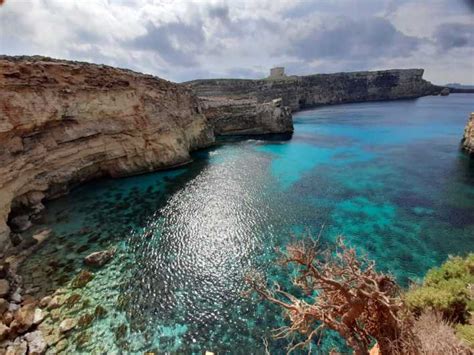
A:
468	139
63	123
246	116
299	92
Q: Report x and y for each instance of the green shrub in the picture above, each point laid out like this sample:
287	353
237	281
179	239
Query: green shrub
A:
445	289
466	333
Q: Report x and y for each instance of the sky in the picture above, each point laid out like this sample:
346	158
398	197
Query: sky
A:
184	40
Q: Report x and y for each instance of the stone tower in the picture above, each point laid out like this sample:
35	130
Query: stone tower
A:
277	72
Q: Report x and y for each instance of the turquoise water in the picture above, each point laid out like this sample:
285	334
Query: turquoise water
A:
389	176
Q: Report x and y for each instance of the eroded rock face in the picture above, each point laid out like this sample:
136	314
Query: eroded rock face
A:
63	123
247	116
300	92
468	140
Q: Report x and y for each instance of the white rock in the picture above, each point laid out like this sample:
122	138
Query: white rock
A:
16	297
18	347
36	343
38	317
12	307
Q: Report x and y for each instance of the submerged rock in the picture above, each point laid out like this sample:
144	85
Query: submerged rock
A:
85	320
82	279
72	300
61	345
99	258
54	302
45	301
100	311
67	325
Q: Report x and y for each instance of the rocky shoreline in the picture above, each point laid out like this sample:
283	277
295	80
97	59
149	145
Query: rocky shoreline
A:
30	325
300	92
468	138
64	123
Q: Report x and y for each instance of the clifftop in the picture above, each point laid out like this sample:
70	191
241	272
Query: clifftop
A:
300	92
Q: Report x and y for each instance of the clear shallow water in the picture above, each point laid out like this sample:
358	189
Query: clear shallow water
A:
388	176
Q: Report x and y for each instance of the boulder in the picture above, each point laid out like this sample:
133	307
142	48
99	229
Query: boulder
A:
24	318
4	331
36	343
51	333
55	302
13	307
61	345
3	270
39	316
67	325
16	296
8	318
45	301
99	258
18	347
3	306
4	287
444	92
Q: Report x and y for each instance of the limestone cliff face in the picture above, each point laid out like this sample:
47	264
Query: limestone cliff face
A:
247	116
62	123
300	92
468	140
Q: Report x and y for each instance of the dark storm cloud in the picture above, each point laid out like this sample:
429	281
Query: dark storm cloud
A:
454	35
469	4
177	43
345	38
220	12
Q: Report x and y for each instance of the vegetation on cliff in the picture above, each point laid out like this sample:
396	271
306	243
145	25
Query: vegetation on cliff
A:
339	291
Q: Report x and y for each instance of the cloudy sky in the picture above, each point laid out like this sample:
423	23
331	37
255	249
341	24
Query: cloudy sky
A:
183	40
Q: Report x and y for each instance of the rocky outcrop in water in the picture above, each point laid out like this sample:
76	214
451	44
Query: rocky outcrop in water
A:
468	139
246	116
63	123
299	92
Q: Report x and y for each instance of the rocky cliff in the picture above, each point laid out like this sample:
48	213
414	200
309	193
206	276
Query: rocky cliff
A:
468	139
246	116
299	92
62	123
